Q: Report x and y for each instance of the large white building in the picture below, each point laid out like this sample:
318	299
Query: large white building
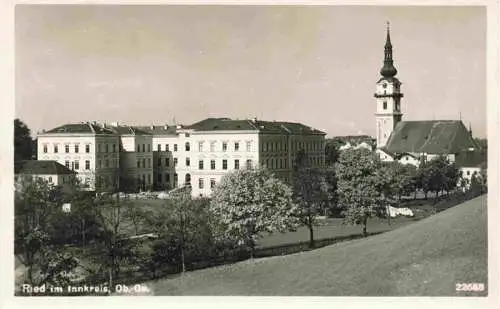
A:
165	157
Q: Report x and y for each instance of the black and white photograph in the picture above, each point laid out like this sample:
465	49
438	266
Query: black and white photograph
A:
280	149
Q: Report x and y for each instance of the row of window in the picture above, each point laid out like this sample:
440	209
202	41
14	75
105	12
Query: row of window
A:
66	148
296	145
143	163
144	147
201	163
75	165
76	148
201	146
201	183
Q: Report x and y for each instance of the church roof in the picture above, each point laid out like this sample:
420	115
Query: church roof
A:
430	136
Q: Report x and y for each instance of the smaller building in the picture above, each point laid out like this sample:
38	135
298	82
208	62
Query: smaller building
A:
51	171
470	164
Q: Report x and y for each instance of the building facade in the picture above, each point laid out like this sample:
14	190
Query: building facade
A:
198	155
86	148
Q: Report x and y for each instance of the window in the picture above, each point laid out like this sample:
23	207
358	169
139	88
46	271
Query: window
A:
200	183
159	147
167	148
200	146
212	183
212	164
187	146
138	148
237	164
106	163
114	148
176	179
468	173
175	147
167	162
50	179
167	177
87	164
249	163
224	164
224	146
249	146
138	163
149	147
77	148
44	148
159	178
159	162
100	163
188	162
236	146
175	161
200	164
143	147
66	148
212	146
56	148
385	105
77	165
143	163
66	163
149	162
106	148
149	176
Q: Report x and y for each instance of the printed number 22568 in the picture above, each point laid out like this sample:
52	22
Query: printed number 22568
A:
469	287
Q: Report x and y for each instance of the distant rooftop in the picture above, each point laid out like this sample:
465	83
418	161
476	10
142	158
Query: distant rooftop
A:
41	167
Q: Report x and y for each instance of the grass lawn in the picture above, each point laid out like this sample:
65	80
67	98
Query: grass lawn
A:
427	258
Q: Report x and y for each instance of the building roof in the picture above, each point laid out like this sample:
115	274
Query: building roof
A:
471	158
227	124
128	130
430	136
41	167
85	127
159	130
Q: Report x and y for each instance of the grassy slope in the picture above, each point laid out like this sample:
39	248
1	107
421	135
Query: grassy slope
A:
426	258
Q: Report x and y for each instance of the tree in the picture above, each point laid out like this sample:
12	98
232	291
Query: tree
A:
310	194
37	205
183	230
23	144
331	151
360	186
249	202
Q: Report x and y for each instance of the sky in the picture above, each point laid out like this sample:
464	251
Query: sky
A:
317	65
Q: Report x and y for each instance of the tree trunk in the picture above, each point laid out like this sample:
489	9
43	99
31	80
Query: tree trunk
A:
252	249
311	236
365	221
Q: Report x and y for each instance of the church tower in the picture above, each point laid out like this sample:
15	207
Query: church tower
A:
388	96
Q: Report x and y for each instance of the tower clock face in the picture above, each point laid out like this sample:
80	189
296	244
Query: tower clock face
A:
384	85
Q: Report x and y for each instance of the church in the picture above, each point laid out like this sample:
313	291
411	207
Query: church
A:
414	142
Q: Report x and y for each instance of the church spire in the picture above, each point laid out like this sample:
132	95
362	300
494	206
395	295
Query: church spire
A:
388	70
